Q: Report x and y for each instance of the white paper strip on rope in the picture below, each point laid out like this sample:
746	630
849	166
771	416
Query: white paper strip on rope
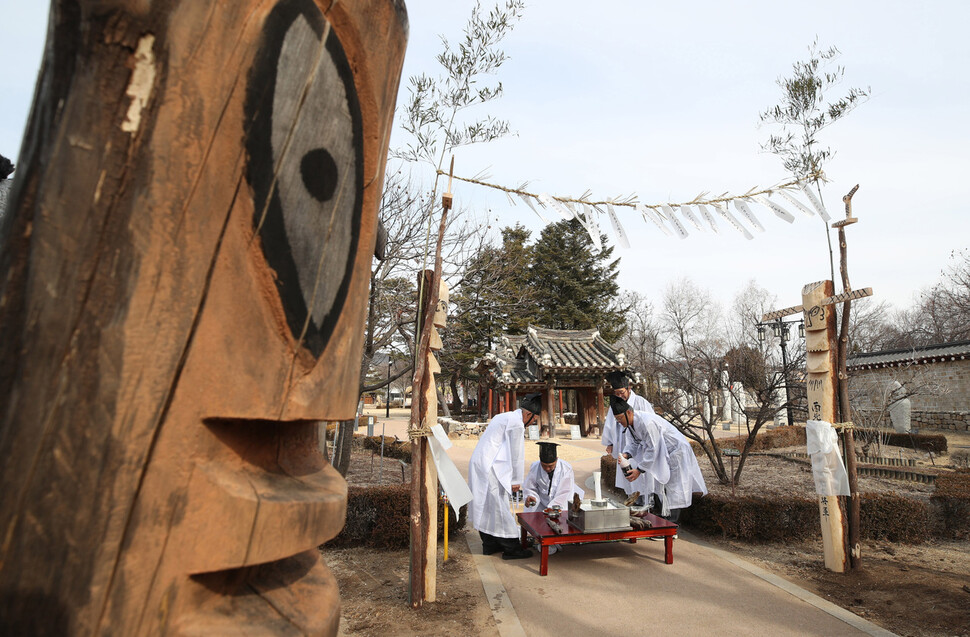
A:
449	476
780	212
651	215
731	219
528	202
689	215
708	217
549	202
621	237
589	221
747	214
805	209
671	218
819	208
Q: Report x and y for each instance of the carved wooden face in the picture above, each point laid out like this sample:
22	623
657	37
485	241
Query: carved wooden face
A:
306	174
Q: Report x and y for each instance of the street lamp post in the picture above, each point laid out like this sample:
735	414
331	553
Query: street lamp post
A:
387	407
779	329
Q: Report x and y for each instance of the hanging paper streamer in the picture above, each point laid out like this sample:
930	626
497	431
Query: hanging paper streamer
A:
708	217
822	445
572	209
805	209
689	214
780	212
528	202
592	227
733	221
651	214
814	201
747	214
674	221
555	205
617	228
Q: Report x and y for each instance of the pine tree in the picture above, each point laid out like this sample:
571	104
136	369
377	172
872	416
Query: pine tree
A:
574	284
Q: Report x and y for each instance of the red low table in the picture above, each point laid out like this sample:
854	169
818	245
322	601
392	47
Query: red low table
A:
534	524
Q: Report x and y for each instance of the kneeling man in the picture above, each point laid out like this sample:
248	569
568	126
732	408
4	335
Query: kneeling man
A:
551	481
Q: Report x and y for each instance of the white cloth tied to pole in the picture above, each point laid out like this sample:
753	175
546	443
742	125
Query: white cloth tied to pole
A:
827	468
448	475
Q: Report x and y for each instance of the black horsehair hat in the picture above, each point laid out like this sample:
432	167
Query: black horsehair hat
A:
547	452
532	402
618	380
619	406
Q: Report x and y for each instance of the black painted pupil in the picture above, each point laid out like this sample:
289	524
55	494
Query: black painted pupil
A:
319	172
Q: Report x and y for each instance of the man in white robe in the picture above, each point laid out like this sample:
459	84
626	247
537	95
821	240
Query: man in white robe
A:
657	447
550	482
614	439
495	472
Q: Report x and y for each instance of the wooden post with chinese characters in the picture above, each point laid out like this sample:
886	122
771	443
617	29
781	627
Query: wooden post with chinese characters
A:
821	384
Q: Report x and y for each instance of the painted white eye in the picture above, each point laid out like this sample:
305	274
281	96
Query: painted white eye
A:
306	166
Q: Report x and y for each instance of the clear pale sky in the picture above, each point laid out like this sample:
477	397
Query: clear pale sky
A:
662	100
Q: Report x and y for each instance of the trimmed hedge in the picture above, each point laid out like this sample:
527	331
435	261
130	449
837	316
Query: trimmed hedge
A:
892	517
926	442
380	517
754	518
393	448
883	516
952	497
776	438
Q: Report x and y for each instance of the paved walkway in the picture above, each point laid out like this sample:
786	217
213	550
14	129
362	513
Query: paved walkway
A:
607	589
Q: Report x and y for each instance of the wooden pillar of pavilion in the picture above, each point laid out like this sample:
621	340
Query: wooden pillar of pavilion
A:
600	416
550	409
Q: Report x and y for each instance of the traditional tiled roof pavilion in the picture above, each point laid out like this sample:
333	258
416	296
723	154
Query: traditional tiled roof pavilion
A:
546	360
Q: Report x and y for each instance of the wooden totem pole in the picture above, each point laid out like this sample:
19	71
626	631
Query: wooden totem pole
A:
184	277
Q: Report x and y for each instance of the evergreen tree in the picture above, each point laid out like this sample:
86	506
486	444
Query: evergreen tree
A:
573	283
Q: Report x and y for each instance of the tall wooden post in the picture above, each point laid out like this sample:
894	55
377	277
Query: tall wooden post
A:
184	266
848	438
822	386
550	408
424	412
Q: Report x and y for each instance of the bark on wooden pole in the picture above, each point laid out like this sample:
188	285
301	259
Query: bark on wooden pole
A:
845	410
822	388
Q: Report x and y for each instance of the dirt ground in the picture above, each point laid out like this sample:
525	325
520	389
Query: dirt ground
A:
920	590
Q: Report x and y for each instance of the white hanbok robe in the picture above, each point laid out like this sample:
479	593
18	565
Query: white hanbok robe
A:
559	491
660	449
611	427
613	434
497	463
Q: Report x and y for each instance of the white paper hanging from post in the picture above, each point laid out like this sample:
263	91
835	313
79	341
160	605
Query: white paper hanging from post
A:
731	219
747	214
528	202
689	215
819	208
780	212
449	476
652	215
822	444
588	219
549	202
791	199
709	218
674	221
621	237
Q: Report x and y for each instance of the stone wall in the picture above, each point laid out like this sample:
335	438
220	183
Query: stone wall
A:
940	391
920	419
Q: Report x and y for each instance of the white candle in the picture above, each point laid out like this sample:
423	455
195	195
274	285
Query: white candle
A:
596	485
